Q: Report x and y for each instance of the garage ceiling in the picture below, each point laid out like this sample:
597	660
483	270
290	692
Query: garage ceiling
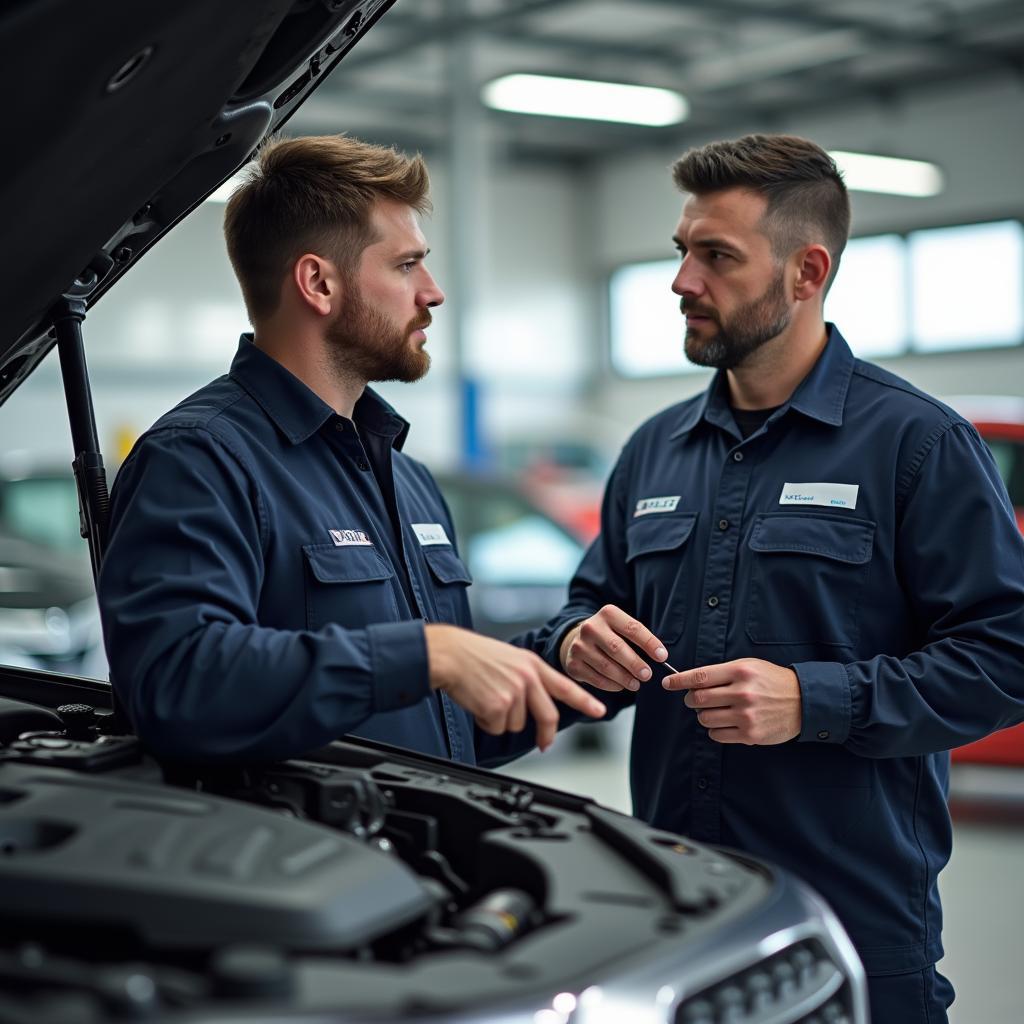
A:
738	62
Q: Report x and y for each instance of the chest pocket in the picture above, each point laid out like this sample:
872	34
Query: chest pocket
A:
351	586
808	579
656	548
450	578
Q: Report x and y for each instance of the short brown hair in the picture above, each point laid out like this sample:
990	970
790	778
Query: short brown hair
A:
312	194
807	198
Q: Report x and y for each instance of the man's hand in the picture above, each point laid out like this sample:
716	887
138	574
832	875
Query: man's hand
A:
746	701
499	685
596	651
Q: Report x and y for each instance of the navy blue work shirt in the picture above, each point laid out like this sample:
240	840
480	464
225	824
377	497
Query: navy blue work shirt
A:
270	568
861	536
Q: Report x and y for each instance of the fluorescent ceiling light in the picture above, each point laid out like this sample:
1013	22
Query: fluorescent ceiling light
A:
591	101
865	172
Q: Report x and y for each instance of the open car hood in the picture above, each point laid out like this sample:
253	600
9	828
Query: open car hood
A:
121	121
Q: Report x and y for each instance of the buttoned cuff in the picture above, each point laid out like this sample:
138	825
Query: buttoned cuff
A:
825	693
398	653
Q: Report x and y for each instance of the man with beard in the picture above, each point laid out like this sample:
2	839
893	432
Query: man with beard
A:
795	541
279	572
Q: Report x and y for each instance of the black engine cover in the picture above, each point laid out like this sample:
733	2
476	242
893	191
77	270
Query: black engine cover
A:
189	870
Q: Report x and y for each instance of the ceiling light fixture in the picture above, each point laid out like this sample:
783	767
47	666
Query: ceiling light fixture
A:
865	172
551	96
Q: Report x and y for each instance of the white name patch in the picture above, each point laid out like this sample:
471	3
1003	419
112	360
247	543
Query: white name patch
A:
646	506
430	533
348	538
832	495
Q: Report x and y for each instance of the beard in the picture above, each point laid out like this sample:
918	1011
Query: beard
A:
747	329
364	342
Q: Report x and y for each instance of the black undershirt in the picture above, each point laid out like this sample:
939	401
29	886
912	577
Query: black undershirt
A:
749	420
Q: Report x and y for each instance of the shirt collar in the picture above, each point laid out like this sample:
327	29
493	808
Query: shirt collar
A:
296	410
821	395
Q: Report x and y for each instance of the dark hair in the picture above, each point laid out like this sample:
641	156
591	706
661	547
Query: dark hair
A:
807	198
312	194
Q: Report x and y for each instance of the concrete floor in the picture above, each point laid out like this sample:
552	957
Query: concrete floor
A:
982	888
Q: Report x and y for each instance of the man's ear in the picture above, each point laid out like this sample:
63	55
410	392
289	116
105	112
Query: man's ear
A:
812	272
317	283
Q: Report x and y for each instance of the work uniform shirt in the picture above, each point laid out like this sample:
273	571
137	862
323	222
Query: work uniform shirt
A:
270	568
863	537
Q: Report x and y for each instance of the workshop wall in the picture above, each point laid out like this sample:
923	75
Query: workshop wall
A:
973	135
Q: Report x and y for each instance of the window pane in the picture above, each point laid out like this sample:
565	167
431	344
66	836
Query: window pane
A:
867	301
967	286
647	328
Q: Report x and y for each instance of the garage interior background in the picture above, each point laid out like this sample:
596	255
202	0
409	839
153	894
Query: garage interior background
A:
535	215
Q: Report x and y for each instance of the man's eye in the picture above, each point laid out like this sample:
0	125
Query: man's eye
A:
717	254
407	266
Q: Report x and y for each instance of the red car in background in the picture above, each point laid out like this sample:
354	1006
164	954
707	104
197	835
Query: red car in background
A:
1000	421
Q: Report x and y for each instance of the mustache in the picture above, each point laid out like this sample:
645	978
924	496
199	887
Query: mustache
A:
688	308
421	323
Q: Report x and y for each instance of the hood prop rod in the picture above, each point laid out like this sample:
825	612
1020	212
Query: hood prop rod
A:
90	476
93	499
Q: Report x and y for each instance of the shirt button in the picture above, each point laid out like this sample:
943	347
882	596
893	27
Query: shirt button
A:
362	464
723	524
339	425
702	783
712	601
737	456
823	735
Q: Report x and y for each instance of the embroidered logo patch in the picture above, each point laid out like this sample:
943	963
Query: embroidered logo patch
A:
831	495
430	533
349	538
646	506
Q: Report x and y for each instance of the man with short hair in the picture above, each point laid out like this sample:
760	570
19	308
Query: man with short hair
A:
279	572
830	557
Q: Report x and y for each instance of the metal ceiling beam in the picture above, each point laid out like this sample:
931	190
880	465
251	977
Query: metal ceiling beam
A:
706	74
587	49
399	101
943	41
444	29
741	116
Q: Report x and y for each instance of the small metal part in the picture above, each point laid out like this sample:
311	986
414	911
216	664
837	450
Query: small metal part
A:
496	920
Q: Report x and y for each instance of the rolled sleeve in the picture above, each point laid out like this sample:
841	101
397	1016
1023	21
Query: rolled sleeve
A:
398	655
825	695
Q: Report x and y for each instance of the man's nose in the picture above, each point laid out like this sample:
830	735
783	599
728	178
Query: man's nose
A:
431	295
687	280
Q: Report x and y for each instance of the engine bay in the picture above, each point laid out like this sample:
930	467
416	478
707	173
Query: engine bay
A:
361	879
